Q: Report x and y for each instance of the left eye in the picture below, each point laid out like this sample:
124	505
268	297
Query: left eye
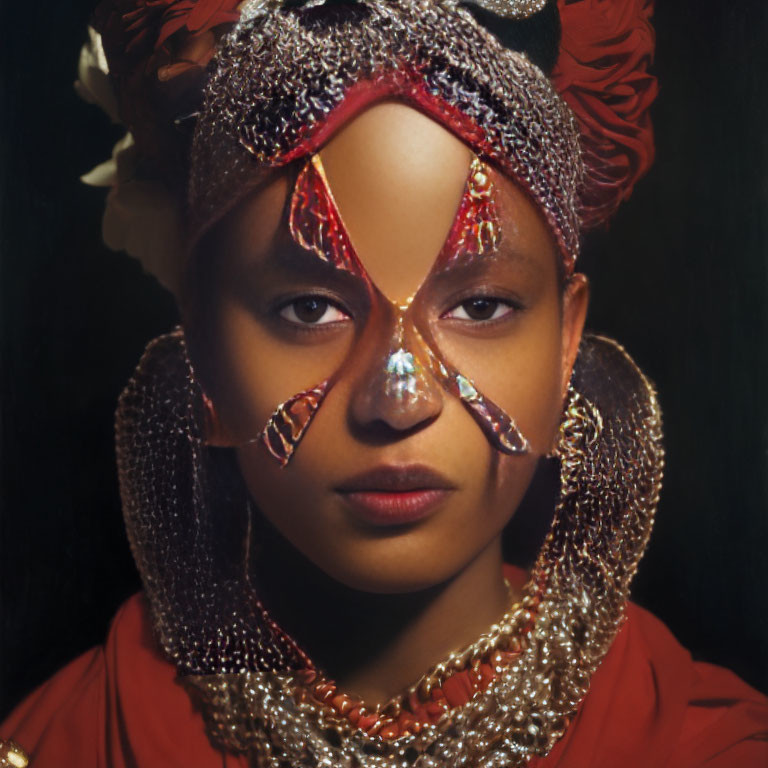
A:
312	310
480	308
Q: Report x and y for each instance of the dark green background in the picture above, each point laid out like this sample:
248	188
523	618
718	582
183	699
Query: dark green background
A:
681	278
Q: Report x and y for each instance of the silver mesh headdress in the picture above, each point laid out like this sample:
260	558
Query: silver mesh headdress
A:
284	81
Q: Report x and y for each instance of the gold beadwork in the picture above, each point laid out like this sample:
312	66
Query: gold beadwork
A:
12	755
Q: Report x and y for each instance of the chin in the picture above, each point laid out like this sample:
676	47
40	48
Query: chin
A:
407	579
405	562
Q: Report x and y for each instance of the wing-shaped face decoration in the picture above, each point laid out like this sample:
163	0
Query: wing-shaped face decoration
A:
404	367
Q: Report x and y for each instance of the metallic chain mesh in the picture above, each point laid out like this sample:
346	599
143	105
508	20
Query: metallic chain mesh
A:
279	77
187	525
189	532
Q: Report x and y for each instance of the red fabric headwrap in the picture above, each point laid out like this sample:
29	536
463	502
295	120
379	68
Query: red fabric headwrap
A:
602	72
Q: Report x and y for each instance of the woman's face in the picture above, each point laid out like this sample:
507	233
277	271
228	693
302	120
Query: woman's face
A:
389	492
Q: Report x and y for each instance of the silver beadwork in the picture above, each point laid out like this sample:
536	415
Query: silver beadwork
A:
509	9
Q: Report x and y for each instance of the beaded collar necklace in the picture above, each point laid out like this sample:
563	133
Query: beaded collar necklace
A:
611	464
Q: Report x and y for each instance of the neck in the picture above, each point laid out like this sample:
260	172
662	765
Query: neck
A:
375	646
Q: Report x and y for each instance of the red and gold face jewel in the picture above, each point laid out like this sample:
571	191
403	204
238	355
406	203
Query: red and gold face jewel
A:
405	379
502	432
476	230
283	431
289	422
410	365
315	222
317	226
475	234
498	427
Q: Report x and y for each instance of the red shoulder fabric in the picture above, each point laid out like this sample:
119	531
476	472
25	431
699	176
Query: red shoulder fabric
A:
649	706
117	706
62	722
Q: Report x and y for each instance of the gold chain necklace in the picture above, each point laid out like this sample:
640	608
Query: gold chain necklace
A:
611	462
425	701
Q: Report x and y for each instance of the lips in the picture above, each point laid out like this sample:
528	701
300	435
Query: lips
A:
395	494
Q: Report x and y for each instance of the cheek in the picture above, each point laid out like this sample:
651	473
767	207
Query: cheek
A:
252	370
519	371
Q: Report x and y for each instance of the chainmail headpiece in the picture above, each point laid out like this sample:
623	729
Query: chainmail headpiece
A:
284	81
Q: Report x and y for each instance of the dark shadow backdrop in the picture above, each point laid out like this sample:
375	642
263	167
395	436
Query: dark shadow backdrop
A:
680	278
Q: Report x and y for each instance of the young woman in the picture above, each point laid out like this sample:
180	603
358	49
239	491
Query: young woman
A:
382	361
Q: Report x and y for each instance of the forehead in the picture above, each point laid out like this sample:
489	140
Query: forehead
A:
397	178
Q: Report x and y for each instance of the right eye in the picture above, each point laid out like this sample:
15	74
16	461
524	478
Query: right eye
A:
480	309
312	310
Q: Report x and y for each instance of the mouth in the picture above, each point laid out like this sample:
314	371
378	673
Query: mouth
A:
395	494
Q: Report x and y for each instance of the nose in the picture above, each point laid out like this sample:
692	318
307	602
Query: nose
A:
397	389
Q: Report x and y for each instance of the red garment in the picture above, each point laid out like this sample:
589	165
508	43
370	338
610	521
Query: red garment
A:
649	706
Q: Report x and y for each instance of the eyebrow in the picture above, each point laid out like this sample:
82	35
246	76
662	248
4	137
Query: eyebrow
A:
476	266
286	259
286	256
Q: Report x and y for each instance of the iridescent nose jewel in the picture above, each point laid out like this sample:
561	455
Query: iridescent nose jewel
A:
400	369
402	372
398	387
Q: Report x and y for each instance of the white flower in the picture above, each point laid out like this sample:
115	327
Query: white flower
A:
142	217
93	84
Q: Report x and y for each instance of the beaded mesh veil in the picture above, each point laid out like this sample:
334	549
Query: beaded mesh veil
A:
278	85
